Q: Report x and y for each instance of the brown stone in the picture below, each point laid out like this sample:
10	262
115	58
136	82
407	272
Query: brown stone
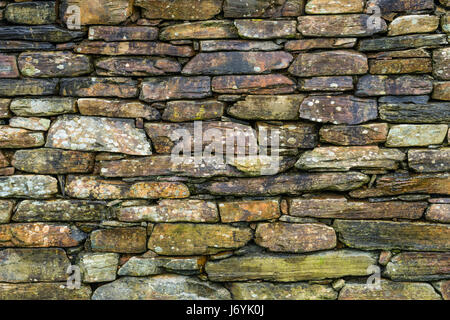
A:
333	83
94	87
403	42
43	291
429	160
253	84
413	24
34	13
32	123
92	187
179	111
20	138
237	45
27	87
339	6
180	9
4	108
117	108
441	91
320	43
438	212
8	67
339	207
411	53
262	8
291	134
343	109
6	209
266	29
161	89
119	240
295	238
214	29
354	135
116	33
398	66
371	85
444	286
125	66
441	63
46	33
388	6
249	210
51	106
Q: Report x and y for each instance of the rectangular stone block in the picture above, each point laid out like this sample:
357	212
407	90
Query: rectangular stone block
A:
249	210
43	106
262	8
238	45
413	24
94	87
116	33
266	29
47	33
403	42
34	13
319	43
291	134
162	89
186	110
253	84
441	63
27	87
388	6
441	91
430	112
371	85
117	108
96	12
43	291
36	124
400	66
439	212
98	267
16	138
180	9
119	240
421	160
4	108
333	83
354	135
6	209
409	135
214	29
128	66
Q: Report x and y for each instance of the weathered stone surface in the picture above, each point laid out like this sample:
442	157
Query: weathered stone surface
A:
262	165
408	135
439	212
445	23
24	186
152	265
37	124
119	240
261	107
26	265
180	9
419	266
291	134
41	12
8	67
339	207
396	184
249	210
350	25
27	87
389	291
97	11
98	267
347	158
415	112
281	291
295	238
12	45
98	134
136	66
403	42
320	43
291	267
94	87
287	184
196	239
134	48
330	7
441	63
388	235
172	211
43	106
266	29
253	84
60	210
4	162
116	33
214	29
355	135
237	45
411	53
235	62
370	85
117	108
179	111
445	3
441	91
43	291
6	209
4	108
161	89
413	24
343	109
399	66
163	287
87	187
48	33
429	160
40	235
53	161
443	286
338	62
388	6
20	138
336	83
262	8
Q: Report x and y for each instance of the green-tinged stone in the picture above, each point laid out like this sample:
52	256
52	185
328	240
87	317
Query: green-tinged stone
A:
441	63
48	33
405	135
214	29
119	240
43	291
27	87
180	111
180	9
266	29
441	91
98	267
40	12
400	66
147	266
28	186
403	42
431	112
43	106
6	209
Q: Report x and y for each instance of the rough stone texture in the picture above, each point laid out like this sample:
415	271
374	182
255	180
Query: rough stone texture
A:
438	213
116	108
441	62
24	186
332	7
6	208
400	66
238	45
415	112
441	91
120	240
266	29
333	83
43	291
429	160
180	9
413	24
406	135
94	87
161	89
8	67
179	111
291	134
124	66
369	85
37	124
214	29
50	33
320	43
98	267
27	87
43	12
253	84
262	8
251	210
42	106
403	42
355	135
20	138
114	33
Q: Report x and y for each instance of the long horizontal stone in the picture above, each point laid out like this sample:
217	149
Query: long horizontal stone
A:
180	9
119	33
152	264
409	135
34	13
286	184
429	160
94	187
53	161
60	210
40	235
20	138
413	24
98	267
6	209
339	6
43	106
295	238
237	45
291	267
97	12
43	291
196	239
253	84
214	29
98	134
345	109
119	240
291	134
354	135
17	45
388	6
441	62
28	186
236	62
331	63
386	235
94	87
116	108
349	25
134	48
330	83
187	110
136	66
249	210
419	266
33	123
262	8
390	290
400	66
339	207
403	42
27	87
263	107
396	184
320	43
26	265
172	211
372	85
266	29
48	33
438	212
167	287
431	112
172	88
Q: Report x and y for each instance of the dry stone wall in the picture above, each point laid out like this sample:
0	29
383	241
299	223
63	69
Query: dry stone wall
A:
351	180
